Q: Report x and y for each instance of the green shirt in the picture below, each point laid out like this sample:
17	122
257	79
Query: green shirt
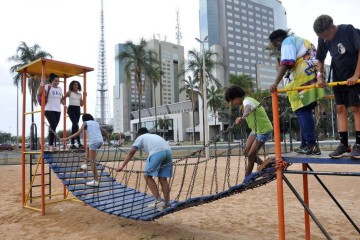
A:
258	121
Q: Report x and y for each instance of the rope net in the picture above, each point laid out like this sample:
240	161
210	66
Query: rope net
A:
195	180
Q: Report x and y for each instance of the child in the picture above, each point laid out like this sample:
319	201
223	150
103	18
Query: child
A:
73	110
258	122
95	140
343	44
158	164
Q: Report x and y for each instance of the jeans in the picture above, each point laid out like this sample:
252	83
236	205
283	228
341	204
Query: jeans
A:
307	125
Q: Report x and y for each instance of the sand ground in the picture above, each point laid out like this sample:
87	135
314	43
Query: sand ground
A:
250	215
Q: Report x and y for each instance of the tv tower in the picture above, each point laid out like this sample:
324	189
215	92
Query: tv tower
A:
102	96
178	30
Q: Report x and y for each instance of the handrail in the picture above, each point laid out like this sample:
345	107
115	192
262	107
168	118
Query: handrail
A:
332	84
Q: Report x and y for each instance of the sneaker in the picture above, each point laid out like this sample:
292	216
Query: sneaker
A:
340	151
92	183
52	148
314	150
158	205
355	153
302	149
81	146
72	146
83	167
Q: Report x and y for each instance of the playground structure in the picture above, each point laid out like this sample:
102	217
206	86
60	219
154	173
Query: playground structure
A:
125	194
43	67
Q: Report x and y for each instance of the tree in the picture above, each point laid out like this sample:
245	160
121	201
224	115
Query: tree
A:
138	63
244	81
215	99
191	87
195	66
24	55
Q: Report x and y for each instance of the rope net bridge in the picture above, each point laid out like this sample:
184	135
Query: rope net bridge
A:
195	181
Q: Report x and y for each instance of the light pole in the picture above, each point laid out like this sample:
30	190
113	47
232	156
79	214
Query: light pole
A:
205	118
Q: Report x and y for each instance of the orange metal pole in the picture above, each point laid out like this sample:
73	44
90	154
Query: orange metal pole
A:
84	99
280	193
42	140
65	110
64	132
306	200
23	136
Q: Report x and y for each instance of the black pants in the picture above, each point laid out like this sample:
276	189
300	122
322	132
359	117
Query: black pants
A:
74	115
53	119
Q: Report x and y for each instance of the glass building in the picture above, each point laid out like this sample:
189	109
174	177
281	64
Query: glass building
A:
238	30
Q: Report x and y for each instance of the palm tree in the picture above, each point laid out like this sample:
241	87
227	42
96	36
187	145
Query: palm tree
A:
244	81
191	87
215	99
24	55
139	62
195	66
155	79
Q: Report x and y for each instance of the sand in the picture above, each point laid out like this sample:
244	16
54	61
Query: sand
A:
250	215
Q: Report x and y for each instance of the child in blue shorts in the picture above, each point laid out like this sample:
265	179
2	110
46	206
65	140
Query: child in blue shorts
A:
158	164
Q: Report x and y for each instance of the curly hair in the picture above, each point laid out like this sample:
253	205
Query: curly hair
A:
322	23
278	34
71	85
233	92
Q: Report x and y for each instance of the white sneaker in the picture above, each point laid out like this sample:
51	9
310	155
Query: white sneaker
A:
83	167
92	183
158	204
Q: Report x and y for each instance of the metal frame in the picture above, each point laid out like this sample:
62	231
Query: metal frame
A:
43	67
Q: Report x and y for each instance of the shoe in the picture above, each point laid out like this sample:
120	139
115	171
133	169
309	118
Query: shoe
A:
355	153
51	148
158	205
80	146
314	150
92	183
340	151
302	149
83	167
73	146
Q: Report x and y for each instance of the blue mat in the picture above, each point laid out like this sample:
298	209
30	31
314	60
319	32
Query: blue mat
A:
115	198
318	159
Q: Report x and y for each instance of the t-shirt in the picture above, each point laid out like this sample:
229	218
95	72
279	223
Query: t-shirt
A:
74	99
151	143
300	55
53	99
344	50
93	132
258	121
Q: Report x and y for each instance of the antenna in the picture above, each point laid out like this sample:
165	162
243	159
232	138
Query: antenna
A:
102	95
178	29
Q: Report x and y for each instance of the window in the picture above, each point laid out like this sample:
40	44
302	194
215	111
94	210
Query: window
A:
231	43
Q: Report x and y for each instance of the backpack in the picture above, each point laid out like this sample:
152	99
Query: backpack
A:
46	96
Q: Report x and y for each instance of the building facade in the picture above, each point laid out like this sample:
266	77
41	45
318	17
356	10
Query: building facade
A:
241	28
166	91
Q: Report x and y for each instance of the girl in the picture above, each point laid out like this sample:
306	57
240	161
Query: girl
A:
95	140
73	110
53	105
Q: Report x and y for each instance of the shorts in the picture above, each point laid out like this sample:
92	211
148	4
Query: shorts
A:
348	96
95	146
159	164
262	137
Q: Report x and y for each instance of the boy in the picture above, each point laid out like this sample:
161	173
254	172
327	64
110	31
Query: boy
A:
158	164
258	122
343	43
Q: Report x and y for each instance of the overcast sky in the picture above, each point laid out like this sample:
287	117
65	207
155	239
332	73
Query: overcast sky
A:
70	31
